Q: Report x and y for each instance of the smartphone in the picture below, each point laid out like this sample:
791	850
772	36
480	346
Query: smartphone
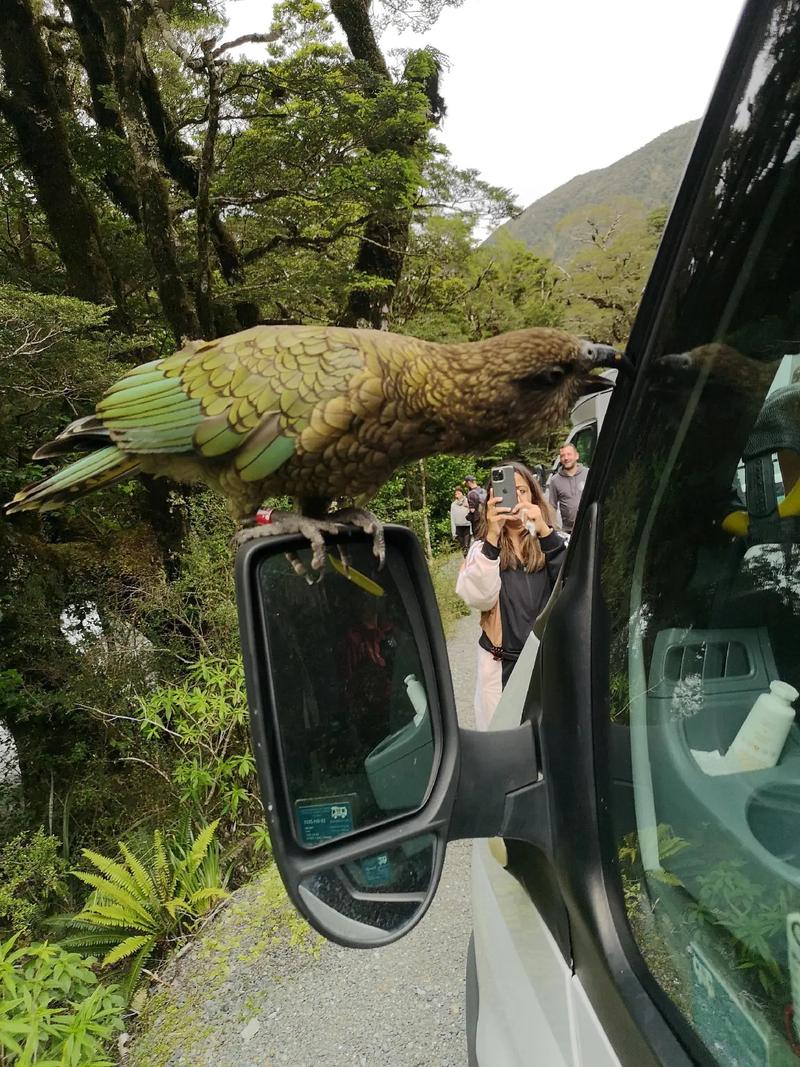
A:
504	486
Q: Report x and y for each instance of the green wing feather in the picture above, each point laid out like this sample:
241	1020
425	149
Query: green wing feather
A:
248	396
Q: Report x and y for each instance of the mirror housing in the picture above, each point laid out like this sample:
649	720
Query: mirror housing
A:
364	772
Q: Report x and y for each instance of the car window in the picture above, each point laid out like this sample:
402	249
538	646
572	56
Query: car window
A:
585	440
701	583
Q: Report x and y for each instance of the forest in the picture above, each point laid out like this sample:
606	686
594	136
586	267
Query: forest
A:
157	185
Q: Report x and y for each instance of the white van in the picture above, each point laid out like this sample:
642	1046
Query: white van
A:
586	419
636	888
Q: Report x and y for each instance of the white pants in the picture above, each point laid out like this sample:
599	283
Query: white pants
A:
488	689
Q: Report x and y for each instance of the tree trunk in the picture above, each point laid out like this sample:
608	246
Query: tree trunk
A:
166	513
176	158
26	250
31	107
426	526
353	17
381	254
123	29
382	250
120	181
204	291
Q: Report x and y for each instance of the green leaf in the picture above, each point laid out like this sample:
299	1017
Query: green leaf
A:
144	882
114	871
201	845
105	888
127	948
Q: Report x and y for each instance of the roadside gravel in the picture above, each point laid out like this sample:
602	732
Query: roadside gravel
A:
256	991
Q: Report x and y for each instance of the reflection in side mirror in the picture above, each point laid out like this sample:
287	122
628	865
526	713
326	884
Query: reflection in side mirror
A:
376	894
349	691
354	727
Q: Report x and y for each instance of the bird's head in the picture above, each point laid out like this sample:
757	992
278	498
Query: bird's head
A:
521	383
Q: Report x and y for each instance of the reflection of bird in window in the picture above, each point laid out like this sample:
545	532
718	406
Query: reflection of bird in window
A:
316	413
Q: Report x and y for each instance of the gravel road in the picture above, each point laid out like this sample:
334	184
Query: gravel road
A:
240	999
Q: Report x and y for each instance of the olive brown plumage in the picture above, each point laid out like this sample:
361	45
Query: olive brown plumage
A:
315	412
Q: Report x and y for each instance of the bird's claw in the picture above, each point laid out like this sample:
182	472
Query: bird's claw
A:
311	529
370	524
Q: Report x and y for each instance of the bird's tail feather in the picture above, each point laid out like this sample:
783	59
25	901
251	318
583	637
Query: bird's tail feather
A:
95	471
86	433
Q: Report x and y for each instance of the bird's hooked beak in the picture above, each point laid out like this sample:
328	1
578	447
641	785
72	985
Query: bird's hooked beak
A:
604	356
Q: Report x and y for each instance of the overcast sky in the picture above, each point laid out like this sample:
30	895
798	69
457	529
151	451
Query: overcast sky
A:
540	90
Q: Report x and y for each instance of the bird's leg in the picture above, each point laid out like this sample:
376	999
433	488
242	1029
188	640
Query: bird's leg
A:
289	523
369	523
300	569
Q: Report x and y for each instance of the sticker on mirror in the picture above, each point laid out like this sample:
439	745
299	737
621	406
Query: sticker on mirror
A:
376	870
321	818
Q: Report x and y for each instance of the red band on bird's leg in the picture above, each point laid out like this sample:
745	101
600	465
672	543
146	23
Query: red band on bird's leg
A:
264	516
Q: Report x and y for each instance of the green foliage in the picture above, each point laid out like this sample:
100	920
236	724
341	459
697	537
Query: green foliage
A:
32	880
204	720
53	1010
148	902
608	273
751	914
454	291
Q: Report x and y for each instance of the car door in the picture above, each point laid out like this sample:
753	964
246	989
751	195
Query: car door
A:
689	622
673	886
649	897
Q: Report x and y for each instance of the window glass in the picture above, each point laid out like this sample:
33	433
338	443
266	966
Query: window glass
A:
350	690
701	580
585	440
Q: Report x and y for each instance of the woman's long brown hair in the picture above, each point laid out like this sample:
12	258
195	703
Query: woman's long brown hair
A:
532	555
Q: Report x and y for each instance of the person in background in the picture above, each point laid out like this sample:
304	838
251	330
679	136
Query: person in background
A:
508	574
566	486
460	526
476	498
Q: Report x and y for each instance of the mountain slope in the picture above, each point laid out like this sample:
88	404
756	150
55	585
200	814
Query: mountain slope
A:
650	176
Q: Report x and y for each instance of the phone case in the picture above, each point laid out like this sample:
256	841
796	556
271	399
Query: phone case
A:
504	486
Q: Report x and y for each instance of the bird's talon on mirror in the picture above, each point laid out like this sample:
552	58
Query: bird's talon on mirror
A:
300	569
370	524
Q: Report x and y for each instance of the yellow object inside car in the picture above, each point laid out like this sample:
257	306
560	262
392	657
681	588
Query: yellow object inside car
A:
738	522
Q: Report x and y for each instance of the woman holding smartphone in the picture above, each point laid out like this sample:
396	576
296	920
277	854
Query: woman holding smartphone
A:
508	575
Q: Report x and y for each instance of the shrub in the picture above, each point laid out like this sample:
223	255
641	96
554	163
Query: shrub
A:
53	1010
205	720
31	880
148	902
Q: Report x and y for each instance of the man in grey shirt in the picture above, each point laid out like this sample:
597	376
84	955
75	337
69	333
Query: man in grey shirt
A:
566	486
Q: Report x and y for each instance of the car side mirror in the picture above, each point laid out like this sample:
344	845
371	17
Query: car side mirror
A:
352	715
364	772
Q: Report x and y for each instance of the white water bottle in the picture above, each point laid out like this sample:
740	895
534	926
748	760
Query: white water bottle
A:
417	696
763	733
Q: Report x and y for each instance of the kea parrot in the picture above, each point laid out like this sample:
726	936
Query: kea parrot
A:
316	413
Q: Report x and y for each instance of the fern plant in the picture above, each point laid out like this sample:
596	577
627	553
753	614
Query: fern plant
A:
145	904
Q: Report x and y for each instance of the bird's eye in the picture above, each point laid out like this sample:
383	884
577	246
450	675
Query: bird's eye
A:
547	378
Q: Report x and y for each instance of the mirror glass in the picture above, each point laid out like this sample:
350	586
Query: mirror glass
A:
352	681
374	895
